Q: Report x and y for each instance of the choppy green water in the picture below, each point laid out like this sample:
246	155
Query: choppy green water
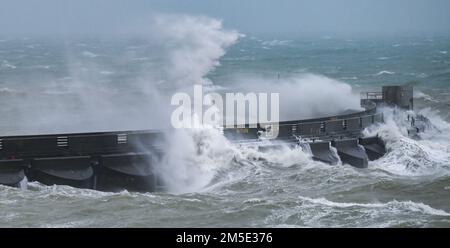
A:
233	186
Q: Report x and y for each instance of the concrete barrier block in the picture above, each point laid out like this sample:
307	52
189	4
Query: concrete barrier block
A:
351	152
321	151
70	168
133	164
12	171
374	147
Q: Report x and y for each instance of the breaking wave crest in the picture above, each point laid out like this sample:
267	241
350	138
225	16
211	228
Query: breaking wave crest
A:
425	155
203	159
392	205
320	212
198	158
385	73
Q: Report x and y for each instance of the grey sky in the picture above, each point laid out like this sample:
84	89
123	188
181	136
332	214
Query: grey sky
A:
247	16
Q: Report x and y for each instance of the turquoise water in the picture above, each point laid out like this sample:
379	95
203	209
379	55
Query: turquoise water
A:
358	61
90	84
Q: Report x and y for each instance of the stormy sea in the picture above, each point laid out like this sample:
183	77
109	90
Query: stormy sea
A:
98	83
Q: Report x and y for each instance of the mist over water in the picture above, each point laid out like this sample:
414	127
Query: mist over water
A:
91	88
303	96
87	85
97	84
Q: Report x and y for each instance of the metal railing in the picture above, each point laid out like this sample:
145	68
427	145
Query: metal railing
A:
372	95
329	127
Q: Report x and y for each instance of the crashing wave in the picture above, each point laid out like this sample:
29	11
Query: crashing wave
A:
198	156
404	205
407	156
321	212
420	94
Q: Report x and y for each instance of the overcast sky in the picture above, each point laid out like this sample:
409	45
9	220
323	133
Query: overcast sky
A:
247	16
